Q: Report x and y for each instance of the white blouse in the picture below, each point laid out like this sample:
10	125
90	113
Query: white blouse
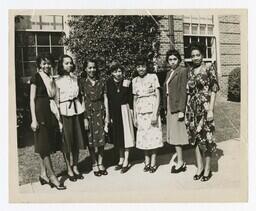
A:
68	90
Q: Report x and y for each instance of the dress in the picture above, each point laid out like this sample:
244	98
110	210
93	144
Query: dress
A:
199	88
71	110
175	90
94	110
148	136
47	137
120	101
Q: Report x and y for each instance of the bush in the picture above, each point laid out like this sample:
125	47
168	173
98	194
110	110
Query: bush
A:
234	87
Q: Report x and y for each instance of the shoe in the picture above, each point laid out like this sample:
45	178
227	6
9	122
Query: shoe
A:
43	181
146	168
198	176
78	176
103	171
125	168
96	173
206	178
153	169
118	167
72	178
180	169
60	187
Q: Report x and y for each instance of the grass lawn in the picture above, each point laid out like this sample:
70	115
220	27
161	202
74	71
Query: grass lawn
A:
227	120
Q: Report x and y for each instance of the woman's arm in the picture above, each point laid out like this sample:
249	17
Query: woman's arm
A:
156	108
34	123
135	110
211	106
107	112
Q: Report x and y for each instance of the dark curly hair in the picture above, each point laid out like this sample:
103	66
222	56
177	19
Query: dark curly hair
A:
174	53
44	57
61	70
197	46
115	65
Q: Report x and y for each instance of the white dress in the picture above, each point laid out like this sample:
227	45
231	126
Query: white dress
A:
148	136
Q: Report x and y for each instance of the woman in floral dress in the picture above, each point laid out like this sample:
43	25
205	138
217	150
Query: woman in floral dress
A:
145	88
201	88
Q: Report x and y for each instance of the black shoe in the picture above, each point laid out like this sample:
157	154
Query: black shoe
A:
125	168
96	173
103	171
78	176
72	178
146	168
198	176
118	167
206	178
153	169
43	181
60	187
180	169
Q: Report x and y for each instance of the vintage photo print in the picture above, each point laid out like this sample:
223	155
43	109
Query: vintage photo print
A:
128	106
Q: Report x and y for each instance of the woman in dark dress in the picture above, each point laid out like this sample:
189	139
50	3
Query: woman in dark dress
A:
45	119
96	118
202	87
119	94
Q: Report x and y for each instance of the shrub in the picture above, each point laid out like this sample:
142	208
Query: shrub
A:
234	88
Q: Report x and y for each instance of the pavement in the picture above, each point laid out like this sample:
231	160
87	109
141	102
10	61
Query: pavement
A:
228	183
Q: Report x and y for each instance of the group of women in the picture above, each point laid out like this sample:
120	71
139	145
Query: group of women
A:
78	113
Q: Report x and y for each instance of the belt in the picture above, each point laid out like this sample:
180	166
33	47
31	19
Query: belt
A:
71	101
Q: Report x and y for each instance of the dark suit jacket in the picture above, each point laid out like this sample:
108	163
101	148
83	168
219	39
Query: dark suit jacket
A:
177	96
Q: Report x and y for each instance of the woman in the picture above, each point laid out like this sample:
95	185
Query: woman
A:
202	86
119	94
145	88
45	117
96	117
71	110
175	97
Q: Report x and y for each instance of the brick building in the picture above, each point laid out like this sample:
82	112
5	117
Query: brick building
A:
219	34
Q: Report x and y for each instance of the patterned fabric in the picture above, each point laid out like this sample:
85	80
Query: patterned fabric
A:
199	88
94	110
148	136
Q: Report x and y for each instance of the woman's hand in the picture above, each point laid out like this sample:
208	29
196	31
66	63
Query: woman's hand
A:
60	126
34	125
154	119
86	124
106	127
180	116
209	115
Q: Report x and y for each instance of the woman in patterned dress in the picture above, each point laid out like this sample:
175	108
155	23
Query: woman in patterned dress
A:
96	118
71	110
145	88
201	88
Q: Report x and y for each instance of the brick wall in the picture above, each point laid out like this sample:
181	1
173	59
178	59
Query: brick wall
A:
229	43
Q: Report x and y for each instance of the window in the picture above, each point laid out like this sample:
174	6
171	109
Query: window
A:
31	44
199	29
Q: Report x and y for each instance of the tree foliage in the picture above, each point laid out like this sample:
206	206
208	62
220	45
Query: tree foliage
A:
110	38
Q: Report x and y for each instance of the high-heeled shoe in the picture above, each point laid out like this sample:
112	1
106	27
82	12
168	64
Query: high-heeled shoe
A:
96	173
180	169
153	169
125	168
60	187
43	181
206	178
146	168
198	176
118	167
78	176
103	171
72	178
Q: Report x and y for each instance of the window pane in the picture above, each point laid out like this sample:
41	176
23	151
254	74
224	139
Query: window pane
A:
47	18
186	28
209	53
18	69
18	39
18	54
210	29
29	54
202	40
29	68
209	41
202	28
194	39
43	39
57	52
194	28
28	38
56	39
43	50
58	19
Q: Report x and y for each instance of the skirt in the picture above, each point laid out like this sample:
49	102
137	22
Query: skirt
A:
74	136
176	130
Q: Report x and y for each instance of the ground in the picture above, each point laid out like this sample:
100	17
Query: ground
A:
227	120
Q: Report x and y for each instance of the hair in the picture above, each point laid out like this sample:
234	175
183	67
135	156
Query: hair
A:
115	65
89	59
141	60
41	58
172	52
197	46
61	70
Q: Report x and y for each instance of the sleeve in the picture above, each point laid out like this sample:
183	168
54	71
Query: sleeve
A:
214	85
164	96
155	81
134	86
34	79
182	90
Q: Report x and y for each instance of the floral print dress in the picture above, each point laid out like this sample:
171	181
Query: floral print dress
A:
199	89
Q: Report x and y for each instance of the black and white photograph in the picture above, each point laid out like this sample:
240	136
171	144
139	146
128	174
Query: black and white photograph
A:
128	106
